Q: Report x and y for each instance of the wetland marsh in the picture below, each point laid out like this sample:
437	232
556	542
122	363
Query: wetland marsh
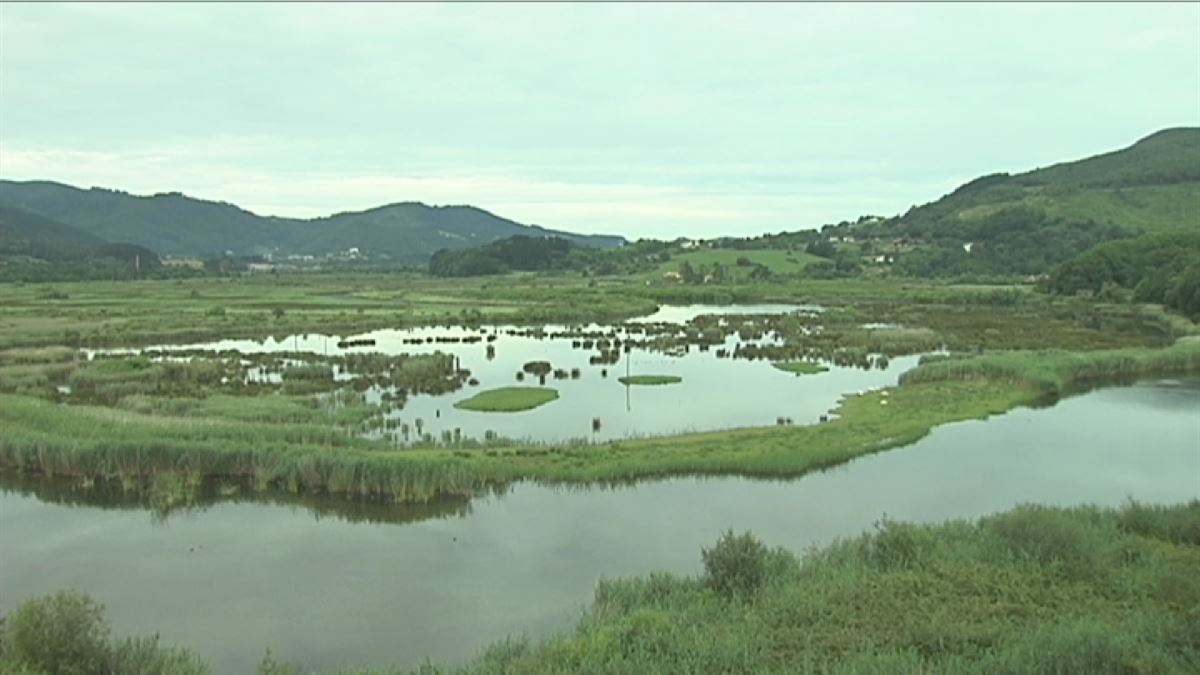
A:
361	455
334	591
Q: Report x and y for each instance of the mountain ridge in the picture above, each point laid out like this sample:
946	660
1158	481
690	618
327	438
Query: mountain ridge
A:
177	224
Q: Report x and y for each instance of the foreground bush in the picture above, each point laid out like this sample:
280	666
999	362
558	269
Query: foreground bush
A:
736	566
66	634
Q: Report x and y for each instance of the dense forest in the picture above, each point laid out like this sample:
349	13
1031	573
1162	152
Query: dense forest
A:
1161	268
511	254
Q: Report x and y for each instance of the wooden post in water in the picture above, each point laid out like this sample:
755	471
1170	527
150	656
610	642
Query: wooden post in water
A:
628	361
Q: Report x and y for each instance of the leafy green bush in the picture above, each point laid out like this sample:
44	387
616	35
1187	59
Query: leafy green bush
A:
736	566
1050	536
1176	524
64	634
899	545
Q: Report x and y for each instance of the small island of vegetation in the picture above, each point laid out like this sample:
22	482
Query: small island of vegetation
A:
508	399
801	367
650	379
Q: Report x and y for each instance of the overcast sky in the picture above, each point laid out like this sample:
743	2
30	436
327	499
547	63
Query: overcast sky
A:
641	120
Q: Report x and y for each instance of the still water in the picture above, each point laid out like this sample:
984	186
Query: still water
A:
235	578
715	392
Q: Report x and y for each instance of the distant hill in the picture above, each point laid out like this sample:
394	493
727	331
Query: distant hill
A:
19	225
412	231
1029	222
176	224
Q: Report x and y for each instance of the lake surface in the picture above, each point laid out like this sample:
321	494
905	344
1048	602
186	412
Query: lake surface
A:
716	392
235	578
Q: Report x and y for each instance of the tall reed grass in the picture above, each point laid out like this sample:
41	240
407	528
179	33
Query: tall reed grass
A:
1057	371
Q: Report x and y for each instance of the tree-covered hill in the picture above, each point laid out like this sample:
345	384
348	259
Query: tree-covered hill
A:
514	253
410	232
171	223
1162	268
34	248
17	225
1029	222
176	224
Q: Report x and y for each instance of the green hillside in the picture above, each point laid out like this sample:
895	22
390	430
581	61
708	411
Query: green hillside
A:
170	223
17	225
1163	268
1165	157
176	224
1029	222
739	264
411	232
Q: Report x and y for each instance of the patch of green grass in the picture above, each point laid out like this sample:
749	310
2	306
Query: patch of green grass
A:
508	399
801	367
778	261
649	379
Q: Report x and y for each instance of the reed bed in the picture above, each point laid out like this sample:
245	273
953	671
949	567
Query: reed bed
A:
1054	372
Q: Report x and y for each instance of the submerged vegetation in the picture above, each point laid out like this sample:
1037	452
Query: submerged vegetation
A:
508	399
1037	590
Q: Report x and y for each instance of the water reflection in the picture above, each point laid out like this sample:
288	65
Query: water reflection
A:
236	577
722	387
110	495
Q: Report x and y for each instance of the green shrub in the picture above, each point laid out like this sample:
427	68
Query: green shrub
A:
61	634
1050	536
899	545
736	566
145	656
1176	524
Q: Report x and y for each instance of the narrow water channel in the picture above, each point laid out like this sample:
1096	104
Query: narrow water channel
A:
235	578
